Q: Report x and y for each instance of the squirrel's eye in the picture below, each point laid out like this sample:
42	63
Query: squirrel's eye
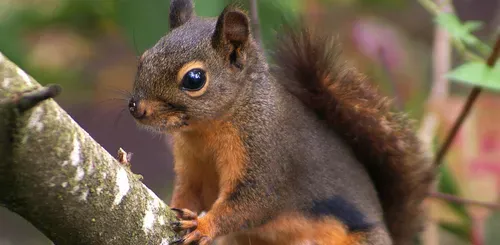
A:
194	80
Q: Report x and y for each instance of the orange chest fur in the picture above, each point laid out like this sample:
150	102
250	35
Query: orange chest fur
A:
212	159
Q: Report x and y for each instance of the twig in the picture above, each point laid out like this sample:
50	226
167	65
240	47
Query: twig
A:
494	53
467	107
455	199
30	99
254	15
124	158
430	6
442	63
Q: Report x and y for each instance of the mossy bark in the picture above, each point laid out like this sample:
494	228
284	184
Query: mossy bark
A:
58	178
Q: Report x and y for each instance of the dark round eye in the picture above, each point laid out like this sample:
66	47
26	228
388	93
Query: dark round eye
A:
194	80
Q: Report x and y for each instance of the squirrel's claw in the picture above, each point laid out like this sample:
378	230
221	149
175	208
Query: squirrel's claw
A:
178	241
184	225
192	237
185	214
189	221
196	236
205	241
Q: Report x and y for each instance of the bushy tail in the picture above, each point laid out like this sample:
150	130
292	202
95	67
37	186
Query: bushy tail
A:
385	142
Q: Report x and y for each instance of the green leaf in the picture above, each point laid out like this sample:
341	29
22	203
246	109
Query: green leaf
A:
477	74
492	236
471	72
448	184
473	25
460	31
461	231
494	76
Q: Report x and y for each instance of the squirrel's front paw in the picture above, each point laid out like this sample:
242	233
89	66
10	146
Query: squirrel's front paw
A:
196	229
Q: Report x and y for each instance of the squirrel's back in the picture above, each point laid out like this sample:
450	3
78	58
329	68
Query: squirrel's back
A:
383	141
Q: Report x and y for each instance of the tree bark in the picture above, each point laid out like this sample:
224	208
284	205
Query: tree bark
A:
58	178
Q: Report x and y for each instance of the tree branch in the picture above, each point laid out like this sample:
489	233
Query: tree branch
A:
471	99
30	99
455	199
64	183
441	59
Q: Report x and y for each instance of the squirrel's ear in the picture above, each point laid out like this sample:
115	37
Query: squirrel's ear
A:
231	36
180	12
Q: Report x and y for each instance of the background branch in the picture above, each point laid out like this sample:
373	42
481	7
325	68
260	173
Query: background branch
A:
63	182
471	99
441	60
455	199
254	15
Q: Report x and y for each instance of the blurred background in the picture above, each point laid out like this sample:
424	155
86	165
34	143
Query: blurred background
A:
90	47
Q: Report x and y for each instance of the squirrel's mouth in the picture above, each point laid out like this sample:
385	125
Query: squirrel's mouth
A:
168	123
158	116
176	122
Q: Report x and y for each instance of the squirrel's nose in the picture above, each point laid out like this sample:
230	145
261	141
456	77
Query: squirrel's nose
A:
137	109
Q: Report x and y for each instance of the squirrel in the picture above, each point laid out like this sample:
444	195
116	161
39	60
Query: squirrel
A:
303	150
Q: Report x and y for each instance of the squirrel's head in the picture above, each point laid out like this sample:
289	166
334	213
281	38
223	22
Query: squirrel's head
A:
194	73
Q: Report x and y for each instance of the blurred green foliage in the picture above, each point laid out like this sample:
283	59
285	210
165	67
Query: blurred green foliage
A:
448	185
474	71
492	233
143	22
462	31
